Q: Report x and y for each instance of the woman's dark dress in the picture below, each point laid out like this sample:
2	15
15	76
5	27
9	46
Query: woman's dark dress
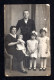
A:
17	54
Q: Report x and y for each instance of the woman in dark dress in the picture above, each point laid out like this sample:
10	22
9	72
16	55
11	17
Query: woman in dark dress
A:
10	45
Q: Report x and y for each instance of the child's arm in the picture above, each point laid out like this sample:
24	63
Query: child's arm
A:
36	47
47	41
23	43
28	47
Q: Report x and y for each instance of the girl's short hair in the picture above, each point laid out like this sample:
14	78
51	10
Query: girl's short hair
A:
41	30
12	28
33	34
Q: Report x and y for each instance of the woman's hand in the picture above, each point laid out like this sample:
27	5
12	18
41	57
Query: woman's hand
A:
18	42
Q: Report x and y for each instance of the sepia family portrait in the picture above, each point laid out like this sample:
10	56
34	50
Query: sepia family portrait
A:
27	40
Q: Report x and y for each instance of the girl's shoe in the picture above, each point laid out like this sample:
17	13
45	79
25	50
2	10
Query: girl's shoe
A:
44	69
34	68
30	68
23	71
41	69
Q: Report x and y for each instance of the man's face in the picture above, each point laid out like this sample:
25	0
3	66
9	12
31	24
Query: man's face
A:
26	14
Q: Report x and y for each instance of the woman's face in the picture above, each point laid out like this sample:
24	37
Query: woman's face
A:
13	31
43	33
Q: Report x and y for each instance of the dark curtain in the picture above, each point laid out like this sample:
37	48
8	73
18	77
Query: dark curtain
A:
33	11
33	8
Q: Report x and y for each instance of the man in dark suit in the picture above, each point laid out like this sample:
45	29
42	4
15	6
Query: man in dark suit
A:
26	25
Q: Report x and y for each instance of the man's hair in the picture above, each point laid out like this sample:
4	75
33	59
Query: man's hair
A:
24	11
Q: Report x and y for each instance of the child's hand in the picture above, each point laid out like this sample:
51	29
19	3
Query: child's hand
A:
46	51
31	52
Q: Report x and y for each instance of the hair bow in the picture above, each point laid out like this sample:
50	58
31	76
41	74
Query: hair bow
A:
45	29
34	32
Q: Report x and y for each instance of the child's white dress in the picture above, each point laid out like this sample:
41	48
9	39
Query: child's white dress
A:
42	41
32	44
21	46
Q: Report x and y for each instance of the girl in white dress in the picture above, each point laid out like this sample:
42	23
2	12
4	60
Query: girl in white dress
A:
32	46
43	48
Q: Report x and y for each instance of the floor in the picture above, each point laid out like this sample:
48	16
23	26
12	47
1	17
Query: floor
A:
31	72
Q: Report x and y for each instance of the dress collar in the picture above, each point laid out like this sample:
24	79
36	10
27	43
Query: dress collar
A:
13	35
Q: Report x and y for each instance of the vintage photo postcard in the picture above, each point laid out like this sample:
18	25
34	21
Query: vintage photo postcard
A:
27	50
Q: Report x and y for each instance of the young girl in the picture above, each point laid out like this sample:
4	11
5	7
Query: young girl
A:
32	46
43	48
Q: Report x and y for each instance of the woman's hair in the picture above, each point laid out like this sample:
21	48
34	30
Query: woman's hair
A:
41	30
12	28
